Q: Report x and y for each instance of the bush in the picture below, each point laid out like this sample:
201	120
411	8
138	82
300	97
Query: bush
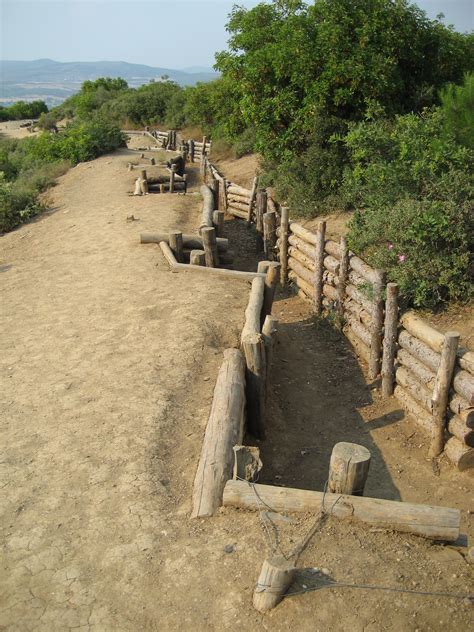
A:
458	108
22	110
412	186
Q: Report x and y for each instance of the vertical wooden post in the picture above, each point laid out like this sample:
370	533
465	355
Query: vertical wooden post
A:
261	209
343	275
215	190
209	242
375	355
269	234
176	244
271	281
191	150
254	351
390	340
319	267
185	180
348	469
143	174
274	580
439	401
269	331
204	141
152	161
218	221
284	227
197	258
172	176
253	194
223	191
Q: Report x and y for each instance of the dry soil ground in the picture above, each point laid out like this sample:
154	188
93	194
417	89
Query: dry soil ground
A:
107	366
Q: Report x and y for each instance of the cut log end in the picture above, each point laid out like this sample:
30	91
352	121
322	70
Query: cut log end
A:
275	578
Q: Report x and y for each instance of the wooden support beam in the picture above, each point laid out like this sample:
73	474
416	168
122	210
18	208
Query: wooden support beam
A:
208	235
247	463
207	207
224	430
319	267
176	245
273	582
377	318
218	221
271	281
189	241
348	469
284	245
261	209
343	274
254	351
390	340
197	258
269	234
436	523
253	195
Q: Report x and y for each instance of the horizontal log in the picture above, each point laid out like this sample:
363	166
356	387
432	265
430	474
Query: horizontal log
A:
416	389
235	212
330	279
303	285
358	281
253	311
302	258
437	523
193	242
421	417
303	233
234	188
359	329
361	349
219	272
332	248
459	406
302	295
458	453
331	264
359	312
301	270
362	268
330	292
419	350
466	359
420	370
356	295
463	384
420	329
239	206
168	253
303	247
458	428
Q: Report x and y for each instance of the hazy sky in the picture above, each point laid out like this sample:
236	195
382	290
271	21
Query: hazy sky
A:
172	34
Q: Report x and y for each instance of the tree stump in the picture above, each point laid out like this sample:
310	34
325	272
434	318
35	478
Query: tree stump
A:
197	258
176	244
208	235
274	580
218	221
348	469
247	463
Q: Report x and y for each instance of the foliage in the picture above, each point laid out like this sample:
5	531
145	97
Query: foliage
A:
412	186
22	110
458	108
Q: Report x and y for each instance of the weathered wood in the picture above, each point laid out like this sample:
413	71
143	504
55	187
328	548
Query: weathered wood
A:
420	415
419	370
359	329
418	328
254	351
172	177
416	389
461	407
356	295
440	397
138	187
418	349
253	311
235	212
458	453
189	241
197	258
191	150
458	428
361	349
176	245
271	281
305	248
342	270
224	429
240	206
295	253
252	200
319	267
377	329
348	469
466	359
269	331
331	293
260	210
247	463
358	312
275	577
333	248
235	189
304	286
390	339
366	271
218	221
208	235
284	246
301	270
218	272
168	253
303	233
437	523
463	384
207	207
269	236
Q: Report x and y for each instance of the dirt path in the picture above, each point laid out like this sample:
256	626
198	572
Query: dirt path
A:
108	362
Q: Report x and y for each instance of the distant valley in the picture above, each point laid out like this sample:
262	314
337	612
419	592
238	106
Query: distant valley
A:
54	81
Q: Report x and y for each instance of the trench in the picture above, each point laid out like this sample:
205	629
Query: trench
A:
316	391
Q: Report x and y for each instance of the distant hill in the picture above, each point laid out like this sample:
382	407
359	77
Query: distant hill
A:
54	81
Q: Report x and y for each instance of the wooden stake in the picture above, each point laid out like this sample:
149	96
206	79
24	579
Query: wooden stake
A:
247	463
269	234
260	210
191	150
197	258
348	469
274	580
271	281
440	397
269	331
390	340
343	267
172	176
377	319
208	235
254	351
319	267
253	195
284	245
176	245
218	221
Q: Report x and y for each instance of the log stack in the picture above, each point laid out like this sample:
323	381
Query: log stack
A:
238	200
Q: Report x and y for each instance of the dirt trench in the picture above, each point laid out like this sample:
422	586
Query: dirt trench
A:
108	365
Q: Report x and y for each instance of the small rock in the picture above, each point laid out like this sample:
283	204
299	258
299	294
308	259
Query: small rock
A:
229	548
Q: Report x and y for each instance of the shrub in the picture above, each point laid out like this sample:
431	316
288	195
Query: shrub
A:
458	108
22	110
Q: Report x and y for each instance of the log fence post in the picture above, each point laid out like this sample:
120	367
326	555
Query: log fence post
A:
191	150
208	235
284	226
348	469
343	275
260	210
439	401
271	281
172	177
253	194
176	244
269	234
319	267
375	355
218	221
254	350
390	340
223	192
274	580
197	258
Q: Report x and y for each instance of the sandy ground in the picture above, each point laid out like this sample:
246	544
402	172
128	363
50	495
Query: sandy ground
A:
108	364
12	129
